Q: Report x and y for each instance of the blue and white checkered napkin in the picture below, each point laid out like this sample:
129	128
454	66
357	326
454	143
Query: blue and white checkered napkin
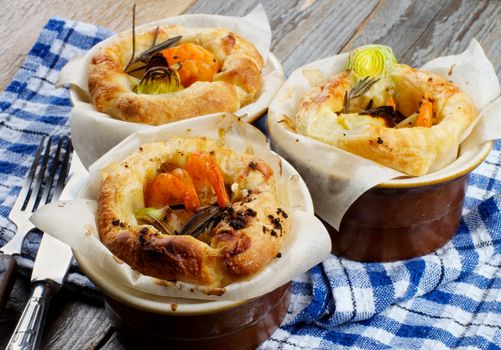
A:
30	108
448	299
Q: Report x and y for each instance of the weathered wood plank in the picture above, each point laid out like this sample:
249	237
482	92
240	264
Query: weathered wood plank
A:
21	22
75	323
456	24
303	31
115	344
398	24
13	309
419	31
72	322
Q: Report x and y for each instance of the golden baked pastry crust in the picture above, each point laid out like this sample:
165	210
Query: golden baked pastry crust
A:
412	150
233	251
237	84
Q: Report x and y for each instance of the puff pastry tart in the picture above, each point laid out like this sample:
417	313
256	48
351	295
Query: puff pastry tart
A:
193	71
191	210
391	113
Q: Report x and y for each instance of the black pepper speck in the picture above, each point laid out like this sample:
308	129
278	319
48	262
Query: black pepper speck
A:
282	212
250	212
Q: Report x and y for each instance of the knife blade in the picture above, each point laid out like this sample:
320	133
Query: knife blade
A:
49	271
49	265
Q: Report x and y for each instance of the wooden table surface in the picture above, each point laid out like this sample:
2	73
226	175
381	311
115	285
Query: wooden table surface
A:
303	31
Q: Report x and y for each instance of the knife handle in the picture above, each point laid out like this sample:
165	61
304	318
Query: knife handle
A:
8	268
27	334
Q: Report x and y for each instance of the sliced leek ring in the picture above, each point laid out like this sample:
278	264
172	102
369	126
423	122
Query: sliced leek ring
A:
159	81
371	61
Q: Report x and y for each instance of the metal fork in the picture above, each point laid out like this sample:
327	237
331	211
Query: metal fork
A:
44	183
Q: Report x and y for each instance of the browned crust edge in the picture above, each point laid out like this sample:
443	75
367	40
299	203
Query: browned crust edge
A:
238	83
233	253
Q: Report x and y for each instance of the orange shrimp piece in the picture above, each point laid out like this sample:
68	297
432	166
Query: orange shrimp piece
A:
204	171
425	117
197	63
174	187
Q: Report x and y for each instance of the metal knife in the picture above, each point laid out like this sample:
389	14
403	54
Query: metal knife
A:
51	265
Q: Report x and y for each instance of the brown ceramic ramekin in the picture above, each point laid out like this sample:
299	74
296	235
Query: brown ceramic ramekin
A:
406	218
399	219
245	326
146	321
150	321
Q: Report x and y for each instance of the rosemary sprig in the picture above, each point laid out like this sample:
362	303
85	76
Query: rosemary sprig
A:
157	48
155	36
154	49
369	105
360	88
204	219
146	55
133	37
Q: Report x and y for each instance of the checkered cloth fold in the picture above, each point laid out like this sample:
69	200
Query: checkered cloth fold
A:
31	108
448	299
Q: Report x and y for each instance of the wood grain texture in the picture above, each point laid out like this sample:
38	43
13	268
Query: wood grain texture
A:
419	31
13	309
75	323
7	277
470	19
21	21
303	31
113	343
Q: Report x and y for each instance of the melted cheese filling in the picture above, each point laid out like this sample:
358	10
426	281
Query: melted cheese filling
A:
327	126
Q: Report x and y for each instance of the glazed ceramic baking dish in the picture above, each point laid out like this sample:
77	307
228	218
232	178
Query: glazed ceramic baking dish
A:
146	320
409	217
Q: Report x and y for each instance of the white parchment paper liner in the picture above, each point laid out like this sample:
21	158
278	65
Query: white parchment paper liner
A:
88	126
337	178
307	244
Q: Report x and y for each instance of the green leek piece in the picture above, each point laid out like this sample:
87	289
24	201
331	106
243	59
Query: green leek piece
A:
156	217
159	80
370	61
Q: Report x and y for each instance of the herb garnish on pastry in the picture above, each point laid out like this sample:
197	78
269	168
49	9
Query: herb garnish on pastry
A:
388	112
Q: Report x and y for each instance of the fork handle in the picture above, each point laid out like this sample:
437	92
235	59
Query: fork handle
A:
28	332
8	268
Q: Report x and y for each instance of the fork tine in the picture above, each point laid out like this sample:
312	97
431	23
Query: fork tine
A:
63	173
22	196
35	192
49	179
